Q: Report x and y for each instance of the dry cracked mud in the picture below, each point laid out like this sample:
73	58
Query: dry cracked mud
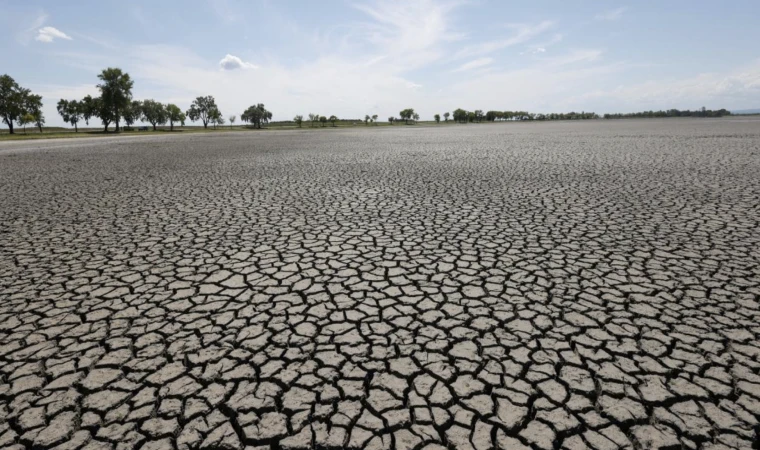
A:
545	286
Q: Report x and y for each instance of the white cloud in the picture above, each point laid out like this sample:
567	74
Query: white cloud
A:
230	62
522	33
614	14
474	64
49	34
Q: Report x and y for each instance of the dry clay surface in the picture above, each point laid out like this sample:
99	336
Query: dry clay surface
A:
546	286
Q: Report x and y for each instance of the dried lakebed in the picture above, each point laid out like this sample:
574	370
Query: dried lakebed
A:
545	285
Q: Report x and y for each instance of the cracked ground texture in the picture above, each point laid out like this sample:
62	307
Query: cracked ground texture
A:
545	286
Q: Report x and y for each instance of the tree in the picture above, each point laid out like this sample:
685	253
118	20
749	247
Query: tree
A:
437	118
87	108
374	119
70	111
313	118
115	93
232	121
479	115
446	116
416	117
154	112
102	111
406	114
35	106
215	117
298	120
256	114
460	115
174	114
133	113
390	120
366	119
322	120
15	101
333	119
25	119
200	109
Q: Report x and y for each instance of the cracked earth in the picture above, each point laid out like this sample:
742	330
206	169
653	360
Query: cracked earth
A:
547	286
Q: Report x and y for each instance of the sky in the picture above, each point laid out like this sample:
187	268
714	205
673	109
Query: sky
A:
352	58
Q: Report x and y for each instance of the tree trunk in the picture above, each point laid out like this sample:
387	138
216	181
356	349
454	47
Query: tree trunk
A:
205	124
10	126
76	130
40	127
171	125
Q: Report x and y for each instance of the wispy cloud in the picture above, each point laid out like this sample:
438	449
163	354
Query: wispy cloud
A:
614	14
474	64
25	35
230	62
49	34
521	34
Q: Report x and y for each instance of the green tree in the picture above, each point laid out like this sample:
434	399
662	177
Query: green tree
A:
390	120
416	117
366	119
313	118
446	117
70	111
374	119
115	94
406	114
174	114
437	118
333	119
25	119
34	103
215	116
154	113
322	120
460	115
133	112
298	120
200	109
256	115
87	108
232	120
15	101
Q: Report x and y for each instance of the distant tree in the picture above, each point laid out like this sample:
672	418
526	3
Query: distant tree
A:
115	93
333	119
460	115
25	119
133	112
215	117
446	116
390	120
154	113
407	114
323	120
174	114
15	101
34	107
256	115
437	118
416	117
87	108
298	120
366	119
200	109
374	119
70	111
103	112
232	121
479	115
313	118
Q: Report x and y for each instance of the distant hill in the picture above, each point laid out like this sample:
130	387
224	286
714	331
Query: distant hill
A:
746	111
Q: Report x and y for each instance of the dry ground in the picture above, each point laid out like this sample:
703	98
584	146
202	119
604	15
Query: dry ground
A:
544	285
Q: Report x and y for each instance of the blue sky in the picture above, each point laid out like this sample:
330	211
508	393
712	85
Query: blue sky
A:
352	58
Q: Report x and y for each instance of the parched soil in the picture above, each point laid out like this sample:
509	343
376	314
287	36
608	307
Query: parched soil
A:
538	285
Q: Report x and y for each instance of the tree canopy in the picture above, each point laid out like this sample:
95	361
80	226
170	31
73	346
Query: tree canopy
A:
256	115
174	114
200	109
154	113
16	101
115	95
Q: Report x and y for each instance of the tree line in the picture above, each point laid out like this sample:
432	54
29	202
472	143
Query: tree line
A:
671	113
115	104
